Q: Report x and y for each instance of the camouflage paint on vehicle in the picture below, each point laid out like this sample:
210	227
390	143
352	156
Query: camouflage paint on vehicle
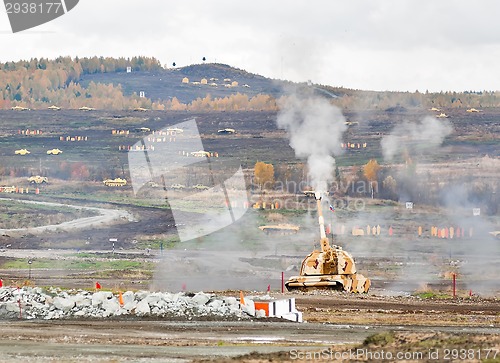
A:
330	268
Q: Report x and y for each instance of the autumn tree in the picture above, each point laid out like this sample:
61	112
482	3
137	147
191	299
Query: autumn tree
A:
264	175
390	188
370	172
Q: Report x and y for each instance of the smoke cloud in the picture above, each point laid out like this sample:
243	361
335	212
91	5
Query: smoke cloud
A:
315	127
415	137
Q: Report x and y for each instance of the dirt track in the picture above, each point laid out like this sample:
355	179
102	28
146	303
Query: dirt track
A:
176	341
104	217
145	221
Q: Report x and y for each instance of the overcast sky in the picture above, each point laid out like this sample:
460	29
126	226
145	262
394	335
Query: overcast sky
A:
365	44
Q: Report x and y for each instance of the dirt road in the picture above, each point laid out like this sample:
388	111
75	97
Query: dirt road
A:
105	217
174	341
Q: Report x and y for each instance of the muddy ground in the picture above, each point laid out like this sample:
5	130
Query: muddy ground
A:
335	323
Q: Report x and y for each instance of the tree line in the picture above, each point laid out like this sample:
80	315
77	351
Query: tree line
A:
35	83
38	82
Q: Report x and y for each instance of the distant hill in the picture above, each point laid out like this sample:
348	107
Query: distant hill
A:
103	83
166	84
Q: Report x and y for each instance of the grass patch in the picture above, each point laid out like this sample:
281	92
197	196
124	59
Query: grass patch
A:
85	264
432	295
381	339
156	244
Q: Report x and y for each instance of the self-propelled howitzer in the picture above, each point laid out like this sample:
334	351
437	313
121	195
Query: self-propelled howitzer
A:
331	268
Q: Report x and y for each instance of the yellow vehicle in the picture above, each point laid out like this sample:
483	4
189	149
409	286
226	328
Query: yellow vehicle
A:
19	108
226	131
470	110
85	108
309	193
141	109
54	152
200	154
175	130
117	182
200	187
37	179
331	268
22	152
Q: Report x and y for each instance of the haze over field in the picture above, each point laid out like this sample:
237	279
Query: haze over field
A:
378	45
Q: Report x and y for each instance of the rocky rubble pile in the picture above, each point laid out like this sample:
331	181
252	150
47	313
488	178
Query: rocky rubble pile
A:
52	303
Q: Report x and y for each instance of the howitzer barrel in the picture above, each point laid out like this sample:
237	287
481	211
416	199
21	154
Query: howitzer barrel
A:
325	245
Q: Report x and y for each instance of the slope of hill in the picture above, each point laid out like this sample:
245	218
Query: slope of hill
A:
166	84
93	82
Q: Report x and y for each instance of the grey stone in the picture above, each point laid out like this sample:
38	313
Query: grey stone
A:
99	297
200	298
142	308
110	307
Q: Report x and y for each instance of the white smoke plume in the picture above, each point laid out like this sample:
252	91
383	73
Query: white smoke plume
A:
315	127
415	137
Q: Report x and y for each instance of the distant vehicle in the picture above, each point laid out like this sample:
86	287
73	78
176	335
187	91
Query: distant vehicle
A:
142	129
21	152
435	109
141	109
200	154
37	179
85	108
19	108
54	108
152	184
473	110
8	189
117	182
200	187
54	152
351	123
226	131
312	193
442	115
175	130
177	186
309	193
280	229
